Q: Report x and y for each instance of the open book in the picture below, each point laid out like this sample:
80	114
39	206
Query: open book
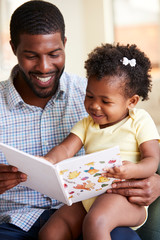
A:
71	180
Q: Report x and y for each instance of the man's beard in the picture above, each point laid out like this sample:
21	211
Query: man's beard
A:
42	93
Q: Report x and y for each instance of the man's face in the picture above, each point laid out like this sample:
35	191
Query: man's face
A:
41	59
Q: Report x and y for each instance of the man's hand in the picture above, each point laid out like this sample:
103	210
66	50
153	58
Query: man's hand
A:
10	177
142	192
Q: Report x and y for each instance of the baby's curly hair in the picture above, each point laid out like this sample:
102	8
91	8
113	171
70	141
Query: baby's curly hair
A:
107	60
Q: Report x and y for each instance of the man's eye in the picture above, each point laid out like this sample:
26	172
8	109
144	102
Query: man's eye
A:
30	57
88	96
54	56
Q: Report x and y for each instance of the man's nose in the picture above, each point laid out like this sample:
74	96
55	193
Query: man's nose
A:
44	65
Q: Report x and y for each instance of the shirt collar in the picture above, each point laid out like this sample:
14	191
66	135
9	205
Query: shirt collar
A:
14	99
132	113
61	91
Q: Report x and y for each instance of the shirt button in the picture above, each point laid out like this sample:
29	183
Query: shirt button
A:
45	143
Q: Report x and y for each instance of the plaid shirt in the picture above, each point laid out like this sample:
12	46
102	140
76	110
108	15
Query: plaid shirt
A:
35	130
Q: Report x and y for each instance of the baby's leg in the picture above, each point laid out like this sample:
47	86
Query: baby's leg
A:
64	224
108	212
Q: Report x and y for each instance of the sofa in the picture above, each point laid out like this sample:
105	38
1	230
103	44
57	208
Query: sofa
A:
151	229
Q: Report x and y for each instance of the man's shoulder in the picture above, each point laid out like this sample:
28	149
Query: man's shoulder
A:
73	76
3	86
74	82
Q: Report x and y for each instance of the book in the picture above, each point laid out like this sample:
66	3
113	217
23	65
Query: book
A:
69	181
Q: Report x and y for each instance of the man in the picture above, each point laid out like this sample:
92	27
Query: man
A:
39	104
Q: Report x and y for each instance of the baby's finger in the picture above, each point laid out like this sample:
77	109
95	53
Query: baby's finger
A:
111	171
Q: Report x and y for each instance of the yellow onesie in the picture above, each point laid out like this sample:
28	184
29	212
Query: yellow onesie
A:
129	133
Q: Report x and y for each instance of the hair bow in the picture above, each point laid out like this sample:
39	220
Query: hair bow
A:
126	61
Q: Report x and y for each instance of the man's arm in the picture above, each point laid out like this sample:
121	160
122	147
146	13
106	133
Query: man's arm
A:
10	177
142	192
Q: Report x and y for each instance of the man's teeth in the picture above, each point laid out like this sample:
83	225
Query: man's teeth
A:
44	79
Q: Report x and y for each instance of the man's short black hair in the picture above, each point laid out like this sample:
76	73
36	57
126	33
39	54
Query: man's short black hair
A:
36	17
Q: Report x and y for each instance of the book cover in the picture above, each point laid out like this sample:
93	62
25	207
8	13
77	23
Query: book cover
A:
71	180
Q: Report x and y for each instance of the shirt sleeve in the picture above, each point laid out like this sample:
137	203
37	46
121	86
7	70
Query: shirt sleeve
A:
145	127
80	129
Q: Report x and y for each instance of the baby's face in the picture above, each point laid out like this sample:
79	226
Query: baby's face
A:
105	101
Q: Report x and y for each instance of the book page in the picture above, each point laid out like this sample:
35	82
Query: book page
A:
68	181
82	175
42	175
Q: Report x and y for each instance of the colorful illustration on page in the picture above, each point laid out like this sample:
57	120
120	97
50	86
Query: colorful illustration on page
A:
84	179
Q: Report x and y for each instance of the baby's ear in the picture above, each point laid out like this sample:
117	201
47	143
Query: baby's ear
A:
133	101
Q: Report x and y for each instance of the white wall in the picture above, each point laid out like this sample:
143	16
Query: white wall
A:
72	11
85	29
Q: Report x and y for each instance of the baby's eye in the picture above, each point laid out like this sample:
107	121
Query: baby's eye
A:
105	102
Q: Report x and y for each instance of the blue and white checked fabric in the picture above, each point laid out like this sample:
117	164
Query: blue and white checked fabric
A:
35	131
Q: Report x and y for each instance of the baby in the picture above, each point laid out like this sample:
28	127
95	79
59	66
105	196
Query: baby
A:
118	76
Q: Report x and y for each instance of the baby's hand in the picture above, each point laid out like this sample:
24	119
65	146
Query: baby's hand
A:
123	172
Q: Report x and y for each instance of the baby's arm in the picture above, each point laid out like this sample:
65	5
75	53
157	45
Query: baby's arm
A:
68	148
146	167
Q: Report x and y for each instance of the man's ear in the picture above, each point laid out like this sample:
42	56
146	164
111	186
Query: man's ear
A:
65	40
13	47
133	101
